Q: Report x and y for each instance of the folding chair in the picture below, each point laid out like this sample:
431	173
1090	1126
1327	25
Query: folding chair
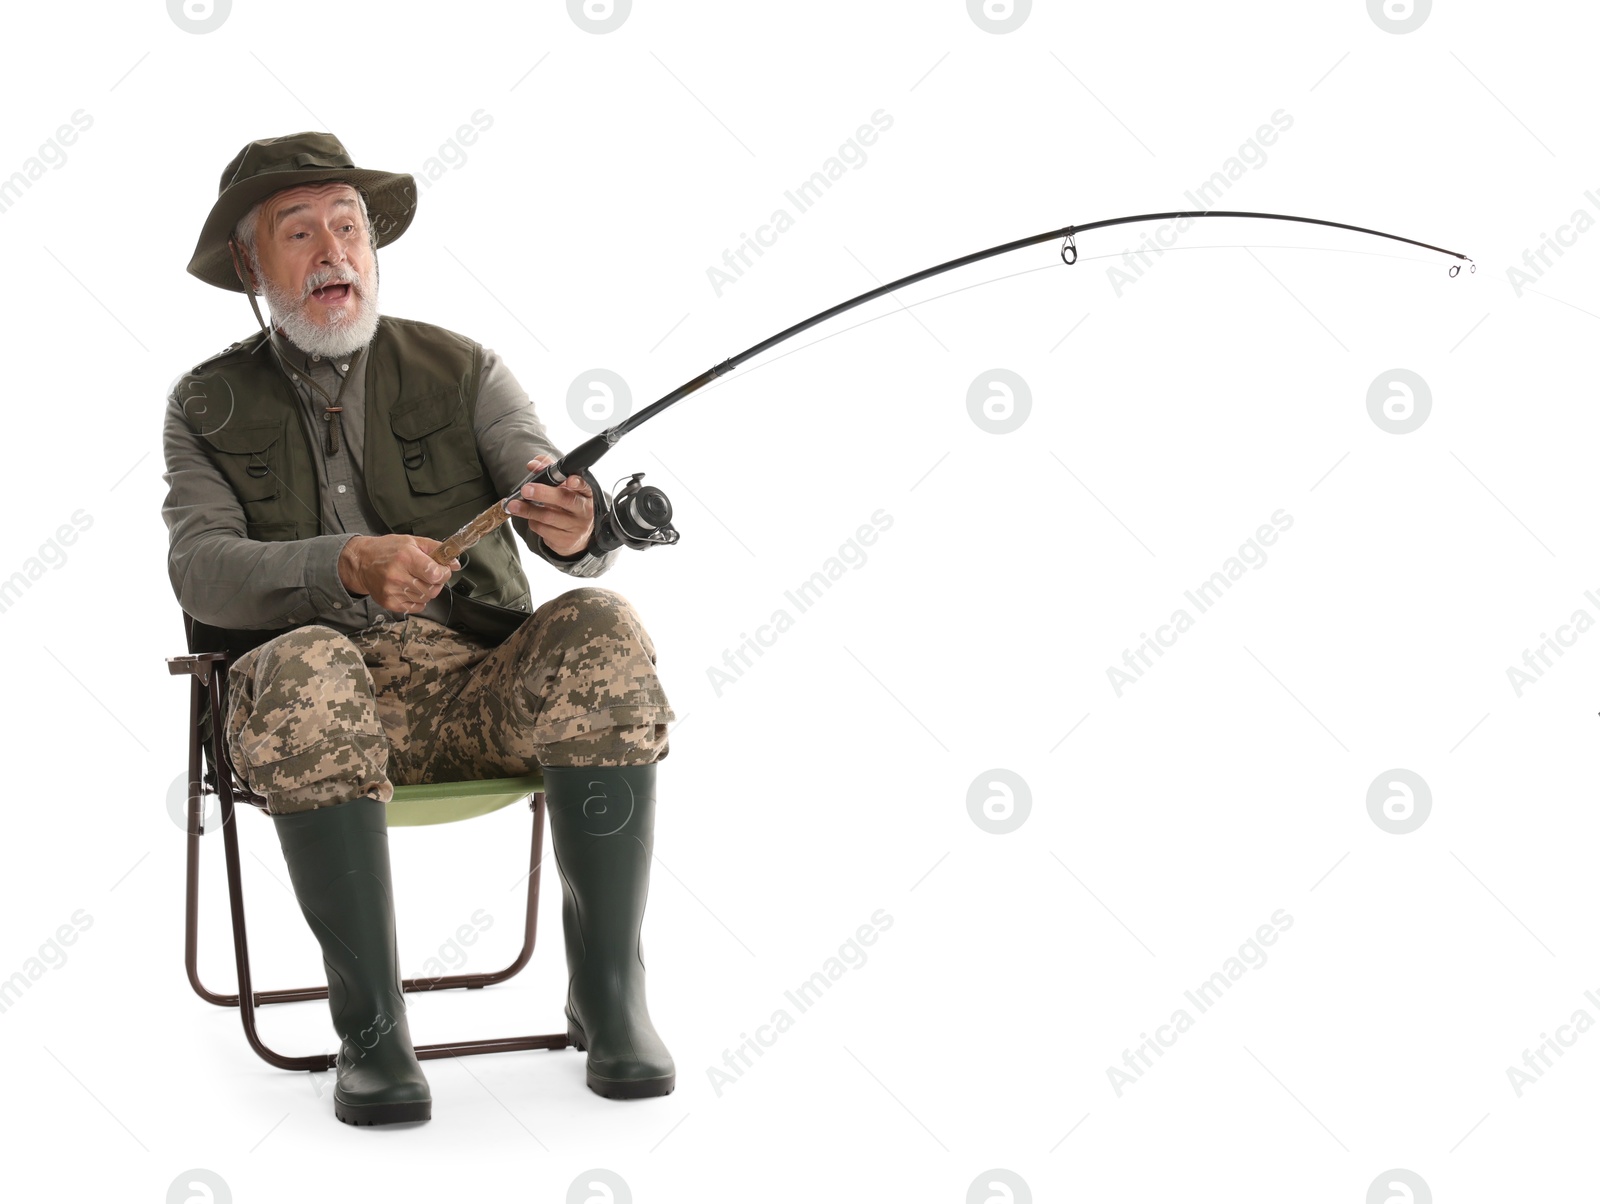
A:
412	806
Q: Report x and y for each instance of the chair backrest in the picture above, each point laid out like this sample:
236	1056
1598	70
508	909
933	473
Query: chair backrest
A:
202	637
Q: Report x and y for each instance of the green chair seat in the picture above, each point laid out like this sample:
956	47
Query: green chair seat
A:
448	802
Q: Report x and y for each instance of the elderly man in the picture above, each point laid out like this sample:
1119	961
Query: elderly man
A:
312	471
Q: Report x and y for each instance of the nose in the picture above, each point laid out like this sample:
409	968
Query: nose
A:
329	249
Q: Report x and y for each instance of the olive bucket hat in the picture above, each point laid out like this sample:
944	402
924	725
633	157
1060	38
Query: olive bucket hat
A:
269	165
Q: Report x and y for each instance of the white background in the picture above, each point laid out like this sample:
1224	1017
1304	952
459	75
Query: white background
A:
831	780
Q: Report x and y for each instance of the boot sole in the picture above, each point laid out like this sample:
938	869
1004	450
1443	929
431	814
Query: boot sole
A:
383	1114
619	1088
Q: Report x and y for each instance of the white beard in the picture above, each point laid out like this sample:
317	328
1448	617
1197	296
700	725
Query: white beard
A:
346	333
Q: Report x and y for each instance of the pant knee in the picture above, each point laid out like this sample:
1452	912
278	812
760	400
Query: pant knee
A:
304	654
591	690
303	729
594	637
591	612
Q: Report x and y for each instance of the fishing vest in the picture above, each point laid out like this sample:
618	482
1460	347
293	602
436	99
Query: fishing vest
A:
419	458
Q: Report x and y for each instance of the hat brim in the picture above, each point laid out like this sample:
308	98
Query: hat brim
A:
391	204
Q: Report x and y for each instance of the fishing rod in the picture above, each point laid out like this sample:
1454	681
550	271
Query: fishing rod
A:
640	516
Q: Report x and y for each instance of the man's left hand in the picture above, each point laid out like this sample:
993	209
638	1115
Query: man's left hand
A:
561	515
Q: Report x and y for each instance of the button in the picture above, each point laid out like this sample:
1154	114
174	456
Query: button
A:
294	378
344	367
341	489
316	358
338	606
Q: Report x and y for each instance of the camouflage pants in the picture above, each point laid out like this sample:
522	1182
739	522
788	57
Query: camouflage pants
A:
317	717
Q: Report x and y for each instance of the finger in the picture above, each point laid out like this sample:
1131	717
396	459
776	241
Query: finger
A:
430	548
550	497
454	566
550	530
420	566
426	569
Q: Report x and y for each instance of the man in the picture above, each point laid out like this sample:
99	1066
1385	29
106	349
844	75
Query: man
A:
312	470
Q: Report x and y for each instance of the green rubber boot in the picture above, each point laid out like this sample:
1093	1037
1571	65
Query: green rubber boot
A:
602	829
339	864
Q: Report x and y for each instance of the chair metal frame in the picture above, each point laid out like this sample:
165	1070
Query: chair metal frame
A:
207	672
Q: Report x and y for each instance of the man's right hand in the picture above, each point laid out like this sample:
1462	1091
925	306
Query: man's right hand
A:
396	570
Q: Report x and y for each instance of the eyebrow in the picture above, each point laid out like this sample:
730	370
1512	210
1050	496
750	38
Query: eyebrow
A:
280	218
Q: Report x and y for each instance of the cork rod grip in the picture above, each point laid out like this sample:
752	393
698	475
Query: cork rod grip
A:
471	533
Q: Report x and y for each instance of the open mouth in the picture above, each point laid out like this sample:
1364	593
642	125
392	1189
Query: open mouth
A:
332	294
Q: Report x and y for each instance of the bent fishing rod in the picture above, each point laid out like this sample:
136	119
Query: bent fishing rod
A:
640	516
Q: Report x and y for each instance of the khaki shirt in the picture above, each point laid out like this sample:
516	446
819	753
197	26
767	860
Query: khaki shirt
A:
227	580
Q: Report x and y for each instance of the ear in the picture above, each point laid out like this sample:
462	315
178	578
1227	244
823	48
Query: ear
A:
243	268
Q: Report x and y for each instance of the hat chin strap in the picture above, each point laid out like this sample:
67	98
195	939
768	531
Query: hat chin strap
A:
244	279
249	290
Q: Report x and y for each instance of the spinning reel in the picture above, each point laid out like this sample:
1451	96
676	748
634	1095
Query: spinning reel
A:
640	516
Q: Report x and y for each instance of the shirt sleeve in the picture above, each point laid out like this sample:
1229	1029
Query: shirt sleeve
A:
220	576
510	434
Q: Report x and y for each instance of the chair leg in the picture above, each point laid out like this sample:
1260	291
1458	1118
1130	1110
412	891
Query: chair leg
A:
247	1000
530	924
241	946
191	890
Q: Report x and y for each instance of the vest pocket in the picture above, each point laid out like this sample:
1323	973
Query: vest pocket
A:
437	445
249	457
